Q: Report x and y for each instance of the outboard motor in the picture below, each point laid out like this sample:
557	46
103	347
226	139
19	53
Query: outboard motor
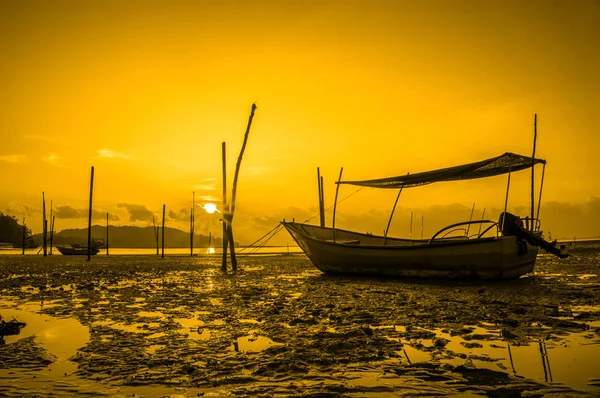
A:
512	225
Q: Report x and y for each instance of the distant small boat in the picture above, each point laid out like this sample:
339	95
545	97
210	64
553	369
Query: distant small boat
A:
509	253
80	249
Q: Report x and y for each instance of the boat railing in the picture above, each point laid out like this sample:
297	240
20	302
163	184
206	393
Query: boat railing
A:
528	221
453	227
454	230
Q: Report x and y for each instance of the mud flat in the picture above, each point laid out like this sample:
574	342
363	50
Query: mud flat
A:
118	326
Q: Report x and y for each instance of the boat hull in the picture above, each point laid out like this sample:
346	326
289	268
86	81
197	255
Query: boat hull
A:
363	254
72	251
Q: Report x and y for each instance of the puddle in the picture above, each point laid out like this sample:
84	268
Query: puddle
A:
252	343
193	327
572	360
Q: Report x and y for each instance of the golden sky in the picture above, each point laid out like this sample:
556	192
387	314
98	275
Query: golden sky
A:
146	91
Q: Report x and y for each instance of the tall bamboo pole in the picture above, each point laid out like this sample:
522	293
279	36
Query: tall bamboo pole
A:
44	226
107	233
337	189
89	246
533	170
225	240
163	233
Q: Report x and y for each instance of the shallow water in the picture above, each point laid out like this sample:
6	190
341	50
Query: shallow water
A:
180	327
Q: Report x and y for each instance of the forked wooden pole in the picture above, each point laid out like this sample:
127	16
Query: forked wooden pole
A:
234	190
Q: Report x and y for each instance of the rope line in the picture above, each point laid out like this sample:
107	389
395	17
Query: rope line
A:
339	201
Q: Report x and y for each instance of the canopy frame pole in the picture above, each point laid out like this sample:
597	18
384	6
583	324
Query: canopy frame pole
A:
391	215
482	216
506	200
471	219
533	170
540	195
337	189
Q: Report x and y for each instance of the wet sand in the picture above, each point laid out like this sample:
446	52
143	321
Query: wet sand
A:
122	325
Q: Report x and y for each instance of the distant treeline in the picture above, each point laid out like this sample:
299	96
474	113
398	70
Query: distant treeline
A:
12	232
130	237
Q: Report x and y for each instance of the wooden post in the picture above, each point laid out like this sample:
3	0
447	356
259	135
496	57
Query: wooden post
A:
89	247
319	183
163	233
51	226
225	241
155	228
24	235
337	189
533	170
44	229
107	233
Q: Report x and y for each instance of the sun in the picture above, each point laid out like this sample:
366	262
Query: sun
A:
210	208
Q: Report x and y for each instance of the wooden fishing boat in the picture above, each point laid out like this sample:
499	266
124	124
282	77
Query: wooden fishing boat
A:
504	249
80	249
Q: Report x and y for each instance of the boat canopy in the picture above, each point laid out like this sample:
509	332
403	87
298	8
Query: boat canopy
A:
503	164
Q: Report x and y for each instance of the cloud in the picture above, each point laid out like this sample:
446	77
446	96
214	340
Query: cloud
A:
71	212
17	158
110	154
22	210
137	212
182	215
54	160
